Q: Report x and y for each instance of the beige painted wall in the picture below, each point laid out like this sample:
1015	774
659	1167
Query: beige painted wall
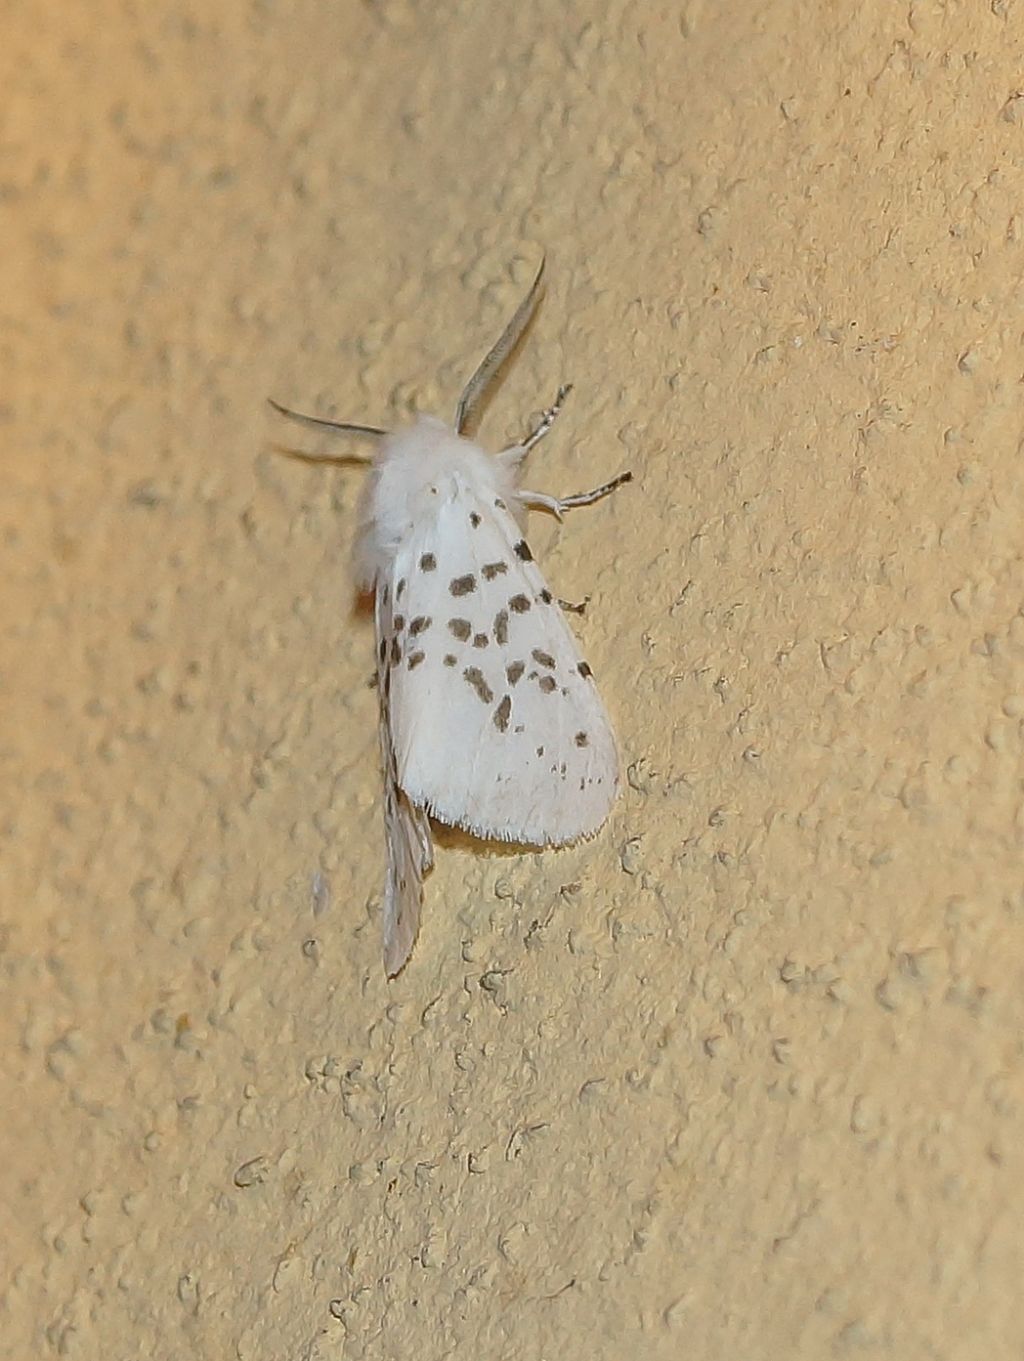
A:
743	1077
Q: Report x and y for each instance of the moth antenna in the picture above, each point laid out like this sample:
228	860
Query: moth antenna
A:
497	354
319	423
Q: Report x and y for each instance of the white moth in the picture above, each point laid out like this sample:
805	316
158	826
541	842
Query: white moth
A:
489	718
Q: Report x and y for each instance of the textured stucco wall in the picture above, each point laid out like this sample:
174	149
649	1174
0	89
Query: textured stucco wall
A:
743	1077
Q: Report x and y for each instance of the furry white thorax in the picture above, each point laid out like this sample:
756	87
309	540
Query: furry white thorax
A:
415	472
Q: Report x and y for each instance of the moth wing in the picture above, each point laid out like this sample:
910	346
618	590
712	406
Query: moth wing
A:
409	846
496	722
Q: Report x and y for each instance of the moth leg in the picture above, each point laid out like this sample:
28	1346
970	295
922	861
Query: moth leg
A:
558	505
547	419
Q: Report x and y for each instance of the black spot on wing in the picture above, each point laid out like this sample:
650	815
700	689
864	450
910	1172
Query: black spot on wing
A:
427	562
502	713
584	669
415	660
464	585
522	551
475	677
514	672
490	570
501	628
460	628
480	640
547	684
519	604
419	625
474	519
544	658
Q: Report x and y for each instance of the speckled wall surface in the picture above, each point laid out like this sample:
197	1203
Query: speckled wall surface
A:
743	1076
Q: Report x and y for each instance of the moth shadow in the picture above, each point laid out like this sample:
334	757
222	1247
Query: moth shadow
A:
458	839
301	456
